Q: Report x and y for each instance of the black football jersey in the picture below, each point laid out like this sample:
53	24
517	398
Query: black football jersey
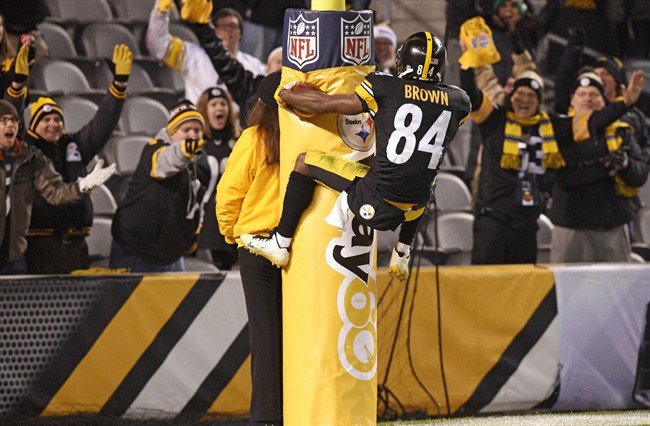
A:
414	123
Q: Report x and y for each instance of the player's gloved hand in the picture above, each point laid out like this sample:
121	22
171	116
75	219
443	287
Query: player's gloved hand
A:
98	176
196	11
399	265
192	147
22	64
164	6
122	62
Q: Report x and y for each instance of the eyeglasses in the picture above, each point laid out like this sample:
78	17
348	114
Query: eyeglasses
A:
591	95
229	27
5	120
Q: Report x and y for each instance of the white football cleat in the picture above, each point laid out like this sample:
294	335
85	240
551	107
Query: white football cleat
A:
399	265
267	247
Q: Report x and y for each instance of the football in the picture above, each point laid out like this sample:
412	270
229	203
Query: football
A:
306	87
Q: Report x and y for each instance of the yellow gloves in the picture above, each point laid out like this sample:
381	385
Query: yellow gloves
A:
399	265
123	60
196	11
22	64
192	147
477	44
164	6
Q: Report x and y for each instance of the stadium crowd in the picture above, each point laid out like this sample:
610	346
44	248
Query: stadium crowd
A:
559	129
222	79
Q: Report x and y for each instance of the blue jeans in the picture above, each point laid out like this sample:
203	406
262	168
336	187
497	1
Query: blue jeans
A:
120	258
17	267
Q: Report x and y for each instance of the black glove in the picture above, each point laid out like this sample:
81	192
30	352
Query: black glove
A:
192	147
518	45
577	37
616	160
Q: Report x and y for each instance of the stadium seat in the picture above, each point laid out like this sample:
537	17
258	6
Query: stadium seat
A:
140	83
455	236
138	10
58	77
544	239
74	10
99	39
99	240
77	111
452	194
125	152
103	201
459	147
143	115
59	41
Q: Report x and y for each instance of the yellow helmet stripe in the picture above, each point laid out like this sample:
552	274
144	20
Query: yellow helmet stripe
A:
427	62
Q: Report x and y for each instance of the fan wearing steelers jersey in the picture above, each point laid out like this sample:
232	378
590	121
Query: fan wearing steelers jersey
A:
416	117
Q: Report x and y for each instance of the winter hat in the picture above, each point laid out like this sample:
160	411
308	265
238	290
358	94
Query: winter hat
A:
613	65
7	108
384	31
275	52
217	92
267	88
520	5
182	112
42	107
532	80
588	78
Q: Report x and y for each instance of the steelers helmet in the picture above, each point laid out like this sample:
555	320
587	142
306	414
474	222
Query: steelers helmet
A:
422	56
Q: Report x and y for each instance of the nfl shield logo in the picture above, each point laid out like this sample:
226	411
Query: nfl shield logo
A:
355	40
302	43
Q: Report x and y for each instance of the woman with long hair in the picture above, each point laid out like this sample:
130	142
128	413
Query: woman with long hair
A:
248	201
222	130
7	50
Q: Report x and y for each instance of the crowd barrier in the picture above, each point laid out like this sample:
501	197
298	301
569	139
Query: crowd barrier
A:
474	340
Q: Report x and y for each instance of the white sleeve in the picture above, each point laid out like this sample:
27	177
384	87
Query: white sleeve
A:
187	58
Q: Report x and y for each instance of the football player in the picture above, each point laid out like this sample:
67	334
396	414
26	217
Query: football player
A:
416	116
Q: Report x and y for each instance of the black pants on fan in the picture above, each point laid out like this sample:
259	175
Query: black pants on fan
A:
262	284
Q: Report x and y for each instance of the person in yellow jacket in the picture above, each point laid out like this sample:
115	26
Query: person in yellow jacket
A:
248	201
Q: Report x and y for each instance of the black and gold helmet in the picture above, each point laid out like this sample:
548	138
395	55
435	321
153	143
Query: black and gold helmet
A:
422	56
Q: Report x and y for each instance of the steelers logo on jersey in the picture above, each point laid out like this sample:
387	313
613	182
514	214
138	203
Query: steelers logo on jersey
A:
367	211
357	131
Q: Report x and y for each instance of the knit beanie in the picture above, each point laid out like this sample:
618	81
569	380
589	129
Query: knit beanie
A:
531	80
267	88
613	65
42	107
217	92
275	52
7	108
588	78
182	112
520	5
384	31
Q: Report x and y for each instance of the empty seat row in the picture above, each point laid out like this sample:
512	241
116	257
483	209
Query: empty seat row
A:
103	10
57	77
96	39
140	115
